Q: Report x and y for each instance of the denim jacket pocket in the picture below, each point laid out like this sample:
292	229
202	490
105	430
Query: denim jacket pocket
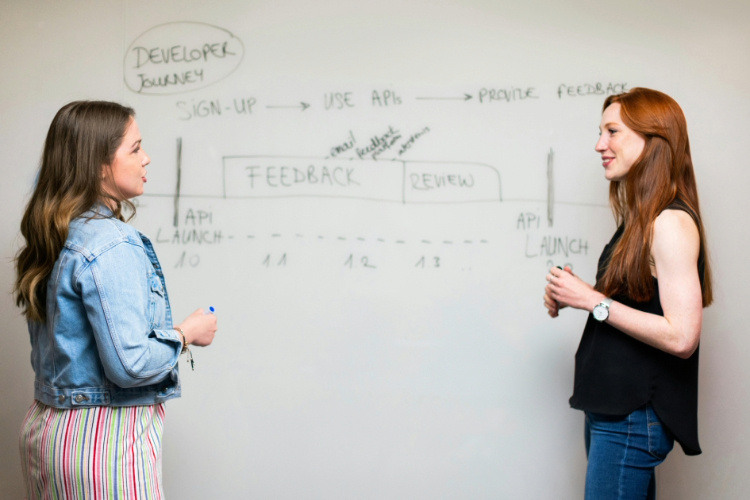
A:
157	301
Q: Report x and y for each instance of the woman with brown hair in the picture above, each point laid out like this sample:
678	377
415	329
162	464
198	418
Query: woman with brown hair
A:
103	346
636	373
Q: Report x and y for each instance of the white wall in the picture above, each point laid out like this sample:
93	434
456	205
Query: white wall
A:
379	340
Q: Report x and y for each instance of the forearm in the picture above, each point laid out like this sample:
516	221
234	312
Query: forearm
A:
679	338
147	364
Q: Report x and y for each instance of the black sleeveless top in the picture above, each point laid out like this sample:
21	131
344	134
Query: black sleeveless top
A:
616	374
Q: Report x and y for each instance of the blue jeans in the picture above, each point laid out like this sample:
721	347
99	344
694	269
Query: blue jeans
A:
623	453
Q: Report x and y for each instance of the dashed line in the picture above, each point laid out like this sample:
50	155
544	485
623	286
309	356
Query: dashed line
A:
379	240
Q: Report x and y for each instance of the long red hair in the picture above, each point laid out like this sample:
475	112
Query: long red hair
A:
662	176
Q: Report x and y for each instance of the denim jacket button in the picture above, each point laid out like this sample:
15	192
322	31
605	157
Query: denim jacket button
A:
61	398
81	398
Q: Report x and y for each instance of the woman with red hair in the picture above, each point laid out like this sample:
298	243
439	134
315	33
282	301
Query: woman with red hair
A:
636	373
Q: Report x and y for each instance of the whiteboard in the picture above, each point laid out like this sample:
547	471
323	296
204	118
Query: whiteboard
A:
370	196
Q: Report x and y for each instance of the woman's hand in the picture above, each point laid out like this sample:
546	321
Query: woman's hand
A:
199	328
565	289
553	306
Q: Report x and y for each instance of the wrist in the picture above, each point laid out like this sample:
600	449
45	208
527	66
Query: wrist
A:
183	338
596	299
601	310
185	348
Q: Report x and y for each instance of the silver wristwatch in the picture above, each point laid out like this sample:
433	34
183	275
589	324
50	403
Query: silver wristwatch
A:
601	310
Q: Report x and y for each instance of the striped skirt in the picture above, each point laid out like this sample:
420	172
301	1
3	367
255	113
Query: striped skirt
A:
93	453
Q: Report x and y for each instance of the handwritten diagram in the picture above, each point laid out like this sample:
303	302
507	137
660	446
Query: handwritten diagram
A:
384	167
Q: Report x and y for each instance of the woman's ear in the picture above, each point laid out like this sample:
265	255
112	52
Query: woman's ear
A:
105	178
105	172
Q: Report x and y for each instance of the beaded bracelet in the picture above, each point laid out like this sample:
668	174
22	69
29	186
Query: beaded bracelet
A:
185	347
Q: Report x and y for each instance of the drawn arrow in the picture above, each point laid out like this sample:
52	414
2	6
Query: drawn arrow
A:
302	105
466	97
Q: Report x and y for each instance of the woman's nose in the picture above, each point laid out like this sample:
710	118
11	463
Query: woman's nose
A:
601	144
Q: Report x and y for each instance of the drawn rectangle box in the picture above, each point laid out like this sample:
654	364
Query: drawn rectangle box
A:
272	177
439	182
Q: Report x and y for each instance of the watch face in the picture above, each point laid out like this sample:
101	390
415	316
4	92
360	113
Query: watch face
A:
601	312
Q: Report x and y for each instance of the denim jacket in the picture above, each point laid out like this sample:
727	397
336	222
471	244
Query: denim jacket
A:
108	338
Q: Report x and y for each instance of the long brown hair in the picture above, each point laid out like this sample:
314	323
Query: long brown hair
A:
82	139
662	175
